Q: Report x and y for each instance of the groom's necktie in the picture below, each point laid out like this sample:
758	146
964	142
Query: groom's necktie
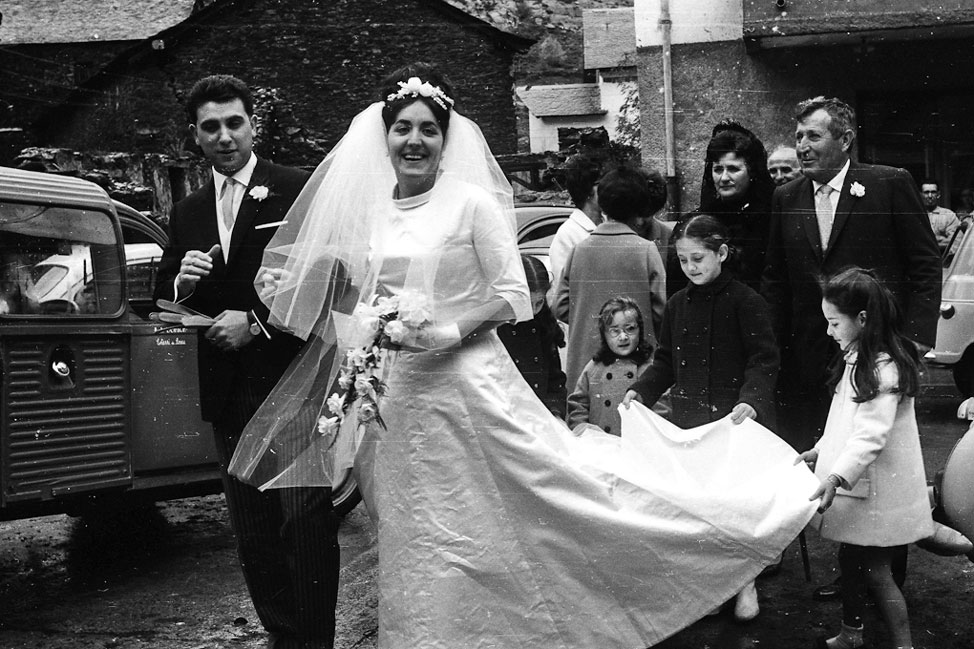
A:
226	201
824	213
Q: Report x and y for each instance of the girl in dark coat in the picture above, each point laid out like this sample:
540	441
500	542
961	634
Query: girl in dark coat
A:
716	351
534	344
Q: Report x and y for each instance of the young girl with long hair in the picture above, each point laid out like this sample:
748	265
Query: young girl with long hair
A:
873	489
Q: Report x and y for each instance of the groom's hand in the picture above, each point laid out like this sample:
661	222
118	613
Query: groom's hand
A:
194	266
230	331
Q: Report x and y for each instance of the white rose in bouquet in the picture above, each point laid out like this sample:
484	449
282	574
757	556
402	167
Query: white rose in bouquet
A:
335	403
396	331
327	424
414	310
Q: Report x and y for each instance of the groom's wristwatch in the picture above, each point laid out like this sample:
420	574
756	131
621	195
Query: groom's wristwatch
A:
255	328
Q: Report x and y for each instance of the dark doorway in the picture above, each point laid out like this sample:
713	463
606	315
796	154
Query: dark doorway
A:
926	133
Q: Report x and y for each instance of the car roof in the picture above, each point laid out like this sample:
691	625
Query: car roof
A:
528	212
19	185
132	219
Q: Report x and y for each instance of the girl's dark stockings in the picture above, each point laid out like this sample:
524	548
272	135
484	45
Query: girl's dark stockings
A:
869	567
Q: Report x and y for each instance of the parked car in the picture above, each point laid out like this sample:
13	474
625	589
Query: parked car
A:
64	282
97	402
955	329
536	227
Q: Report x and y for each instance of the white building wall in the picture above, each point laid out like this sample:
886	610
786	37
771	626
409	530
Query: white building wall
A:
544	130
613	96
544	136
693	21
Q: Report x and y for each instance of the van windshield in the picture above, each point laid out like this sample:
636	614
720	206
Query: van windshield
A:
57	261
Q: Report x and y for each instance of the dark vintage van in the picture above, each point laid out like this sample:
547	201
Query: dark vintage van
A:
98	403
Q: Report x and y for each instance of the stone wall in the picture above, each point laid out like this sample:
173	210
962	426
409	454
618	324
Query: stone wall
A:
312	67
550	14
35	78
319	61
147	182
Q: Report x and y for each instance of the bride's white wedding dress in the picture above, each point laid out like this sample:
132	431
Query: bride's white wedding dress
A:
498	528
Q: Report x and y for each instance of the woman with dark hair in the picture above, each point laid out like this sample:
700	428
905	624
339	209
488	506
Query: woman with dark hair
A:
496	526
736	189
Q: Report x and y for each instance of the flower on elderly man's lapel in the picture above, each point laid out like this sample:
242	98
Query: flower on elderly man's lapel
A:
857	190
259	192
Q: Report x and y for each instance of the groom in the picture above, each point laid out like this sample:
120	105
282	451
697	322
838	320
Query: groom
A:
286	538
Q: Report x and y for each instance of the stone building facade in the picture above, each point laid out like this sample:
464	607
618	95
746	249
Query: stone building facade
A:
903	66
312	64
317	62
49	47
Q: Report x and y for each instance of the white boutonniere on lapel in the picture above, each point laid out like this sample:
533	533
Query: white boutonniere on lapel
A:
259	192
857	190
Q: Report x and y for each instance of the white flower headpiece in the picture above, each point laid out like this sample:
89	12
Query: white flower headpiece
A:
416	87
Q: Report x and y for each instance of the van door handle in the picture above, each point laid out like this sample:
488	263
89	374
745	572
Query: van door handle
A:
61	369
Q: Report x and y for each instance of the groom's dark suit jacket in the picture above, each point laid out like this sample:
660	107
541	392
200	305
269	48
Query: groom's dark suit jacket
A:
885	229
230	285
287	538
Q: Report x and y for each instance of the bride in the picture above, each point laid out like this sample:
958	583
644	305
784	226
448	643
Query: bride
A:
496	527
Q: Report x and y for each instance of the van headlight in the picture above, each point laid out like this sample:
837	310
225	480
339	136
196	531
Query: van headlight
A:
946	311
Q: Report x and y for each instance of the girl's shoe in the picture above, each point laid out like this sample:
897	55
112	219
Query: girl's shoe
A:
774	568
746	605
849	638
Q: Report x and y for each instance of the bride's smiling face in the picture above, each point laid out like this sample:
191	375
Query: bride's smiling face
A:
415	142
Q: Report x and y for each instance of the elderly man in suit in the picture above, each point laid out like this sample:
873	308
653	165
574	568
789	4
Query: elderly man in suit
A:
286	538
840	213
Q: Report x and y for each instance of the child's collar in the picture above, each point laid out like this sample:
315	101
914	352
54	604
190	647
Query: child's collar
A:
713	287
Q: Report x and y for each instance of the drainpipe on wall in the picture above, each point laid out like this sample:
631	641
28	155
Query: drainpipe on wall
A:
672	186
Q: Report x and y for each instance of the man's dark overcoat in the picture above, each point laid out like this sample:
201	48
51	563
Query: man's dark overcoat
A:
880	224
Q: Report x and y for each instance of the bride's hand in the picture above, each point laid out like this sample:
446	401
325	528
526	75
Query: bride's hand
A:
270	279
431	338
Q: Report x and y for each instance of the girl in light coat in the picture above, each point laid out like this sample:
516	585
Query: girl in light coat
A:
623	356
873	489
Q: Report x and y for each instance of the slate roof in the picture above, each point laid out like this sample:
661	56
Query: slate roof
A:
84	21
562	100
609	38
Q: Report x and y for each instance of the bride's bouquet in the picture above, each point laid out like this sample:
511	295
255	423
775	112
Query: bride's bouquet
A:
375	325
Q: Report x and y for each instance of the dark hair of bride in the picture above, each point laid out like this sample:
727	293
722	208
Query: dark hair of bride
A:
394	104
